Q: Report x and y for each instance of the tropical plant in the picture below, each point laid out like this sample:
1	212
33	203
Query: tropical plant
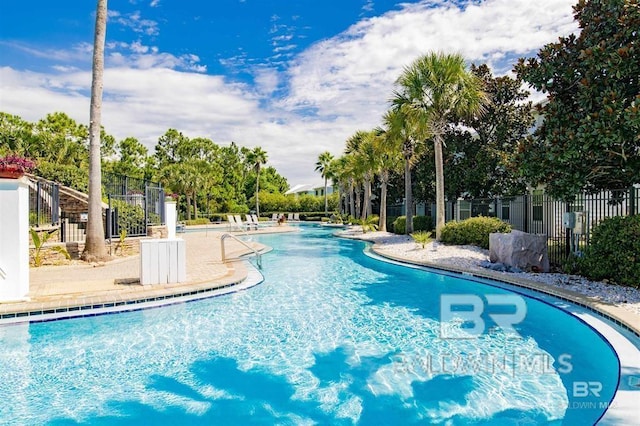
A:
422	238
436	87
121	240
367	224
323	166
39	240
95	247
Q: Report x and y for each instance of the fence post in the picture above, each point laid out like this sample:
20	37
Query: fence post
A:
55	203
567	235
108	220
525	203
632	201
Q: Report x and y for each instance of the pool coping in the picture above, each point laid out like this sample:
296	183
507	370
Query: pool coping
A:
623	405
242	275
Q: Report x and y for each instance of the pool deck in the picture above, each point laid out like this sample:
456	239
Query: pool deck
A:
84	289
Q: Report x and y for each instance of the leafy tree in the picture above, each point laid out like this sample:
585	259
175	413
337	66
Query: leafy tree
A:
437	86
323	166
132	158
59	139
166	150
15	136
94	244
590	137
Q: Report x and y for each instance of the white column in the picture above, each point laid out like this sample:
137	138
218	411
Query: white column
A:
14	239
171	218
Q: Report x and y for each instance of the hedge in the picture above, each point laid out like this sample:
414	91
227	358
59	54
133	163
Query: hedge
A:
420	223
473	231
614	253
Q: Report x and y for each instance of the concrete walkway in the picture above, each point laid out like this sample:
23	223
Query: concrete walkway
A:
75	287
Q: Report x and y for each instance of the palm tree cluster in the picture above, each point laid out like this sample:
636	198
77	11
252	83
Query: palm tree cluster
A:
431	93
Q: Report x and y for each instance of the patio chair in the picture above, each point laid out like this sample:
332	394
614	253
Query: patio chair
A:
232	223
256	220
251	221
243	226
289	217
296	217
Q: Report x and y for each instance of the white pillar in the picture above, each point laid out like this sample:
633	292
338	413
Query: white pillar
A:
171	218
14	239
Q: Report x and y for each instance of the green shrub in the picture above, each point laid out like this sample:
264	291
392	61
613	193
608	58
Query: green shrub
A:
473	231
390	222
614	253
199	221
420	223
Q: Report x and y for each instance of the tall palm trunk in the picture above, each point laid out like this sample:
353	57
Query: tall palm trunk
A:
384	179
195	205
439	186
326	204
408	195
188	195
257	189
352	199
358	203
95	248
366	201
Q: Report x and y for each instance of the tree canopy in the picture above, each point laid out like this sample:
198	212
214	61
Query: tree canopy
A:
590	137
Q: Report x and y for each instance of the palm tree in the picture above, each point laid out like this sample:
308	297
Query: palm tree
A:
437	86
404	131
256	159
94	246
341	176
323	165
388	159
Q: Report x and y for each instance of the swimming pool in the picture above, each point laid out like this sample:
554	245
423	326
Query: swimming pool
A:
331	336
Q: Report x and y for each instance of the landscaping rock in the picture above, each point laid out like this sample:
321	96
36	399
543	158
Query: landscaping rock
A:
520	250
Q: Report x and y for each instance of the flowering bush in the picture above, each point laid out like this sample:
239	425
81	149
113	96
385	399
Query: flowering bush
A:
17	163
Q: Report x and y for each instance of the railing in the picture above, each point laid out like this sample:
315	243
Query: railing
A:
256	252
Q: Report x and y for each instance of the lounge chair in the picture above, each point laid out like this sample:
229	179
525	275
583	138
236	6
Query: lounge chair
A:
256	220
243	226
290	217
296	217
233	225
251	221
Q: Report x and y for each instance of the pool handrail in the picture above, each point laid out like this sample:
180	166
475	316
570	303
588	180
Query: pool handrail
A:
256	252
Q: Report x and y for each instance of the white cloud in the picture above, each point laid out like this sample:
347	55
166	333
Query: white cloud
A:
134	22
346	80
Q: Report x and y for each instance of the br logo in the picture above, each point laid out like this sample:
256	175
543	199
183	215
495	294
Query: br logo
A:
467	309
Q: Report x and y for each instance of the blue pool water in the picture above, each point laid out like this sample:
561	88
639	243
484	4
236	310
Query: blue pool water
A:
331	336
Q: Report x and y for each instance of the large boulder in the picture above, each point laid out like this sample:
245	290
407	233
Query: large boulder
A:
520	250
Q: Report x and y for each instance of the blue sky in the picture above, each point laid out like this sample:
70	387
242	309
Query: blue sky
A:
295	77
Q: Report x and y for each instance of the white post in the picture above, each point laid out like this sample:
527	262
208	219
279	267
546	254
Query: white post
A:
171	218
14	239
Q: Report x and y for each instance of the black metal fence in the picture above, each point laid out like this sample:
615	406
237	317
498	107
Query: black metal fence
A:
44	203
133	205
568	225
133	213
